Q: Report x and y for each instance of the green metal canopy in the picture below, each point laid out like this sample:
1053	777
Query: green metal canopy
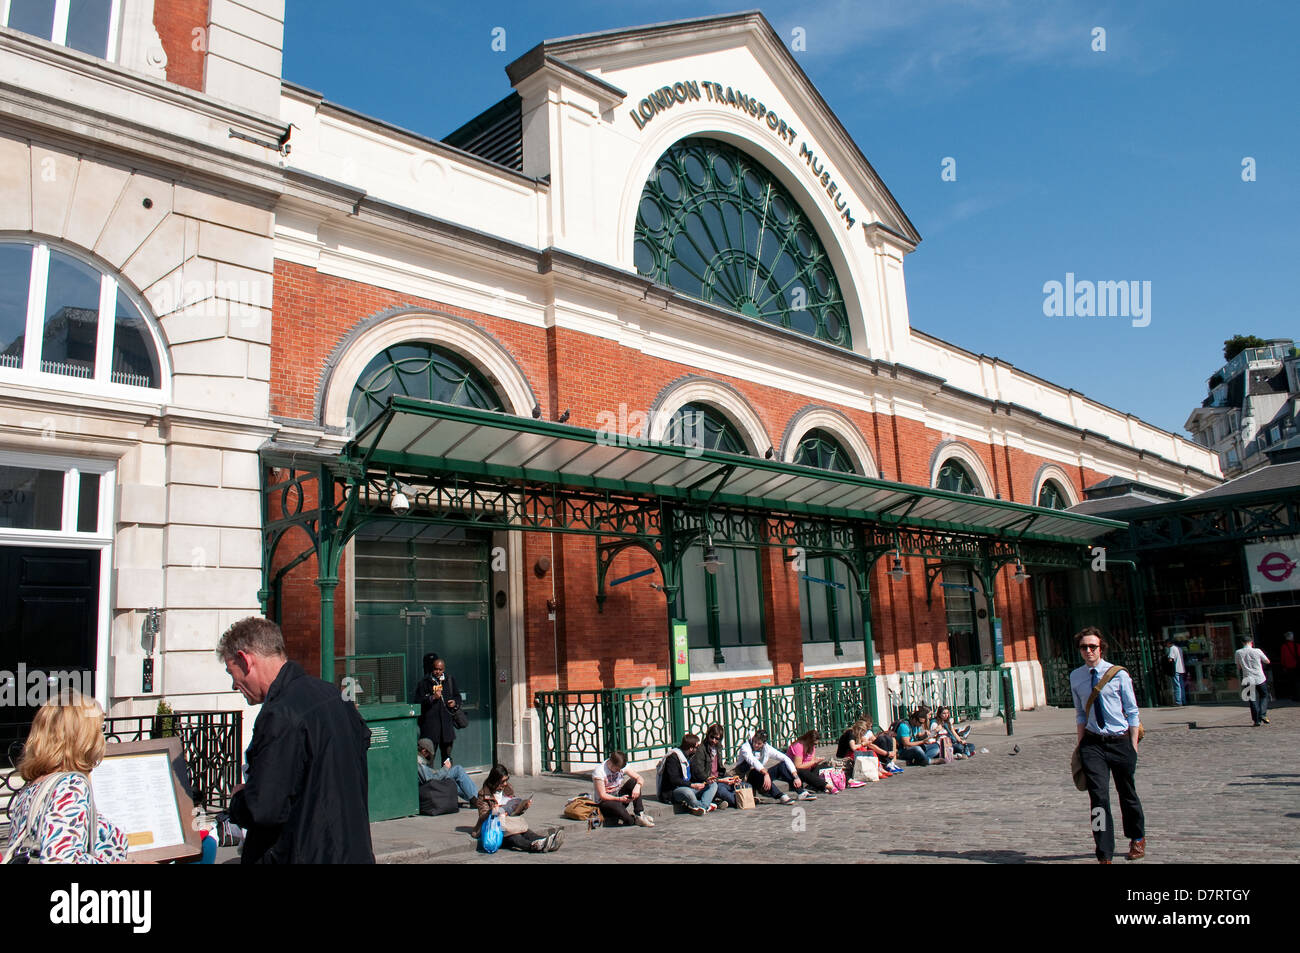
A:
417	436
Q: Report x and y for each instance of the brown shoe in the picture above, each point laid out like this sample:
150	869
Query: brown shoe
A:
1137	849
1103	860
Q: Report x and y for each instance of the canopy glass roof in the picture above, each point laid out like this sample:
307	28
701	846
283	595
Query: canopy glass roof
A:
441	439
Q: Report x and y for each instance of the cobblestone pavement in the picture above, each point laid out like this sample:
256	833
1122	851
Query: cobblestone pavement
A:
1224	792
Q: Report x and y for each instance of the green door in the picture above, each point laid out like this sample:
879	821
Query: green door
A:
423	589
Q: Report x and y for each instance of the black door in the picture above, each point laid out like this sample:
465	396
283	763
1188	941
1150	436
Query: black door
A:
49	608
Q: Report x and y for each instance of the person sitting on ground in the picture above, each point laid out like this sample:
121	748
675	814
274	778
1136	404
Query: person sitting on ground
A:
618	787
914	741
426	758
803	753
497	797
885	743
850	747
677	785
763	765
944	725
707	764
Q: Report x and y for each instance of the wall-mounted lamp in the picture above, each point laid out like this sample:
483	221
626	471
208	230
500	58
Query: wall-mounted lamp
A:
542	567
563	418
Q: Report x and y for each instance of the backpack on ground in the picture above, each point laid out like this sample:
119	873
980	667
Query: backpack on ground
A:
439	797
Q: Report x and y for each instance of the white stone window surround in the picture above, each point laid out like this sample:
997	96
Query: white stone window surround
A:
60	31
839	427
100	385
727	401
968	458
69	538
418	325
1050	471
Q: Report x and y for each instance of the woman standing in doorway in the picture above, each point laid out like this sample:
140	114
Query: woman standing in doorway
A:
438	700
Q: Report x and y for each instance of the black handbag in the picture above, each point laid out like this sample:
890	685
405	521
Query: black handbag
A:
439	796
458	716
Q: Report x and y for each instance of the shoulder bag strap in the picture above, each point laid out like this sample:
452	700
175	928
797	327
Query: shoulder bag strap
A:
1092	699
34	815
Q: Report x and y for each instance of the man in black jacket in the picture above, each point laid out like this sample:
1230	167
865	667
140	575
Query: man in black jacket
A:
305	799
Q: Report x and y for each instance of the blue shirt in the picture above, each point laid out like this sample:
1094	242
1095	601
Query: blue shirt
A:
1116	710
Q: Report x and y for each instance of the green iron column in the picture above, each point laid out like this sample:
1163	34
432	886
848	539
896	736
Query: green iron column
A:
864	560
671	568
988	577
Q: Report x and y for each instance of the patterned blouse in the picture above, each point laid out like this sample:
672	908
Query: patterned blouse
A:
63	829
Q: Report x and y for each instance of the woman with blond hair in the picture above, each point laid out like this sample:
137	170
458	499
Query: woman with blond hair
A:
52	820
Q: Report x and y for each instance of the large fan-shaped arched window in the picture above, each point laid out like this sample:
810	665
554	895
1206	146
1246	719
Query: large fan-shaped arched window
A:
699	425
819	449
954	478
716	225
421	370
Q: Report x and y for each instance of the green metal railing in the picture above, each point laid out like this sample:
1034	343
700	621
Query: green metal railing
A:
581	728
971	691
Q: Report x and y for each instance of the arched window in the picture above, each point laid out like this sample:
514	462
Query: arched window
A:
416	369
61	318
714	224
954	478
699	425
819	449
1052	496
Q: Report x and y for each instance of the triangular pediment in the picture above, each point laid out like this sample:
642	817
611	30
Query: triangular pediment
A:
736	62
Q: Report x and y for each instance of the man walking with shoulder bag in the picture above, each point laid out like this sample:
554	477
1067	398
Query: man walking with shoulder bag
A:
1106	713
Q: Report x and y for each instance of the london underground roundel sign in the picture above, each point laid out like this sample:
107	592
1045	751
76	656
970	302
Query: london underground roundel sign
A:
1276	567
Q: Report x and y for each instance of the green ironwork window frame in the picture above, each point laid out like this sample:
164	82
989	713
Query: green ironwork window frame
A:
819	449
419	369
716	225
1051	496
955	478
829	614
699	425
738	586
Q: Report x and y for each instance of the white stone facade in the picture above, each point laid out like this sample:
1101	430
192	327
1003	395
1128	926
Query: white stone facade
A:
141	179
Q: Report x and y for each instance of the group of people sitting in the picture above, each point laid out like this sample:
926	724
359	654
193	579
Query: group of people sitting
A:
922	738
695	775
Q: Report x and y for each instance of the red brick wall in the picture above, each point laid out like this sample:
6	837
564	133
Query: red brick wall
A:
176	22
626	644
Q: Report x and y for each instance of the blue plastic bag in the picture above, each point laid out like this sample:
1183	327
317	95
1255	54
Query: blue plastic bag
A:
491	834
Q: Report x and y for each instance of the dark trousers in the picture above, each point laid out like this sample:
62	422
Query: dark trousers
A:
522	841
778	772
812	780
615	812
1102	758
725	793
1259	704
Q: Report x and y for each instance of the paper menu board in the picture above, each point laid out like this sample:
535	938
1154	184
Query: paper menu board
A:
136	792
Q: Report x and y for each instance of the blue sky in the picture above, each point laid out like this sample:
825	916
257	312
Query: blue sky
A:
1122	165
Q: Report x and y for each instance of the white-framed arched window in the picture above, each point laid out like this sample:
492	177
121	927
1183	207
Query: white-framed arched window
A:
91	26
957	468
1053	488
66	323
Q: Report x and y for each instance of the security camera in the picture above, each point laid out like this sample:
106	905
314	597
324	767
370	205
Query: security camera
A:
400	504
